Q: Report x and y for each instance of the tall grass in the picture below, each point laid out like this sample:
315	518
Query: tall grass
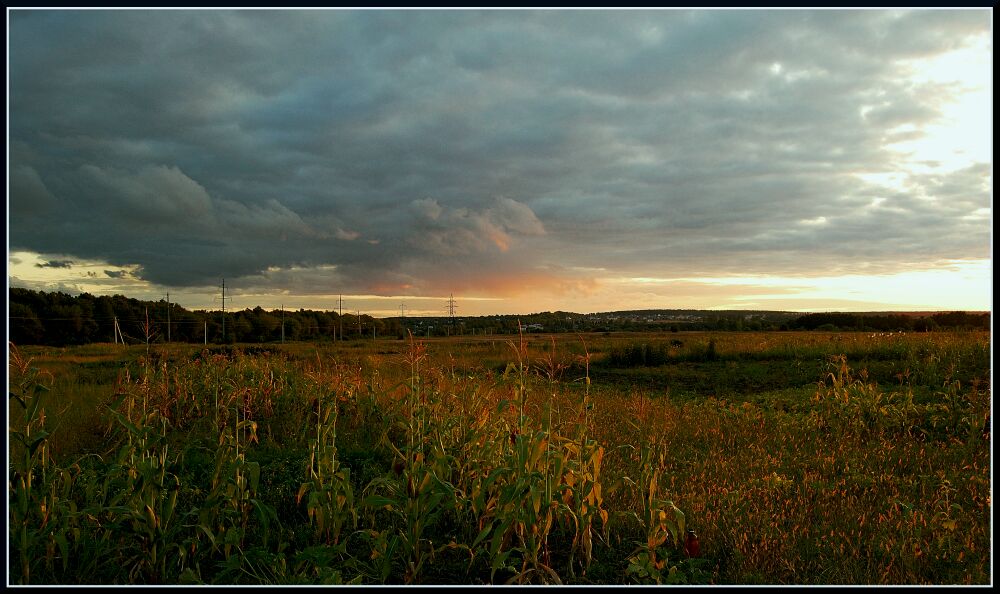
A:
429	462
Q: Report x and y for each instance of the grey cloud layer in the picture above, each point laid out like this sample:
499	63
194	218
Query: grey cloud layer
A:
398	149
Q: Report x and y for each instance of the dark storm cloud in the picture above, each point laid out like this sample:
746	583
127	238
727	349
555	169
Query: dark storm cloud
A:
393	151
56	264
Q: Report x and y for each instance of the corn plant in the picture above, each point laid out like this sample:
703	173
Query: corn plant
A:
331	499
144	510
527	507
482	465
376	567
954	413
519	501
585	498
520	371
416	494
585	494
662	522
851	404
516	515
137	504
41	511
233	495
545	478
416	498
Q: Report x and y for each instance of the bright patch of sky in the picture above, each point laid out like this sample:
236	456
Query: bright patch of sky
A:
963	135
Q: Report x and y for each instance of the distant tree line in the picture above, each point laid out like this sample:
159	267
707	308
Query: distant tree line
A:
952	320
38	317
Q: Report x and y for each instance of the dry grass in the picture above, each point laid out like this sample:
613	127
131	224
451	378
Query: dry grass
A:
451	461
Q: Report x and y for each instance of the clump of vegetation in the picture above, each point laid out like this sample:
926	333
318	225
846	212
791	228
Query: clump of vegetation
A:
865	460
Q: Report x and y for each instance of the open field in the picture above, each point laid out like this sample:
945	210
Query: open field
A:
794	457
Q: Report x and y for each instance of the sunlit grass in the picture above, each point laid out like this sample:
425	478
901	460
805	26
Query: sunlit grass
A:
495	460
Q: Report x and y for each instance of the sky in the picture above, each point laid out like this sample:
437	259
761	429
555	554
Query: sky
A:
518	160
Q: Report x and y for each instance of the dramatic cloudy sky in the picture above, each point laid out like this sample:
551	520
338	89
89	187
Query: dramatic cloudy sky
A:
520	160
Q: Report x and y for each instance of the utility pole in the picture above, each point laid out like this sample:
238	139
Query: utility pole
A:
359	324
146	330
206	332
282	323
168	316
223	311
341	316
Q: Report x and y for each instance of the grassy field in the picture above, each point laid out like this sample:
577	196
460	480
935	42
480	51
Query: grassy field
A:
698	458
